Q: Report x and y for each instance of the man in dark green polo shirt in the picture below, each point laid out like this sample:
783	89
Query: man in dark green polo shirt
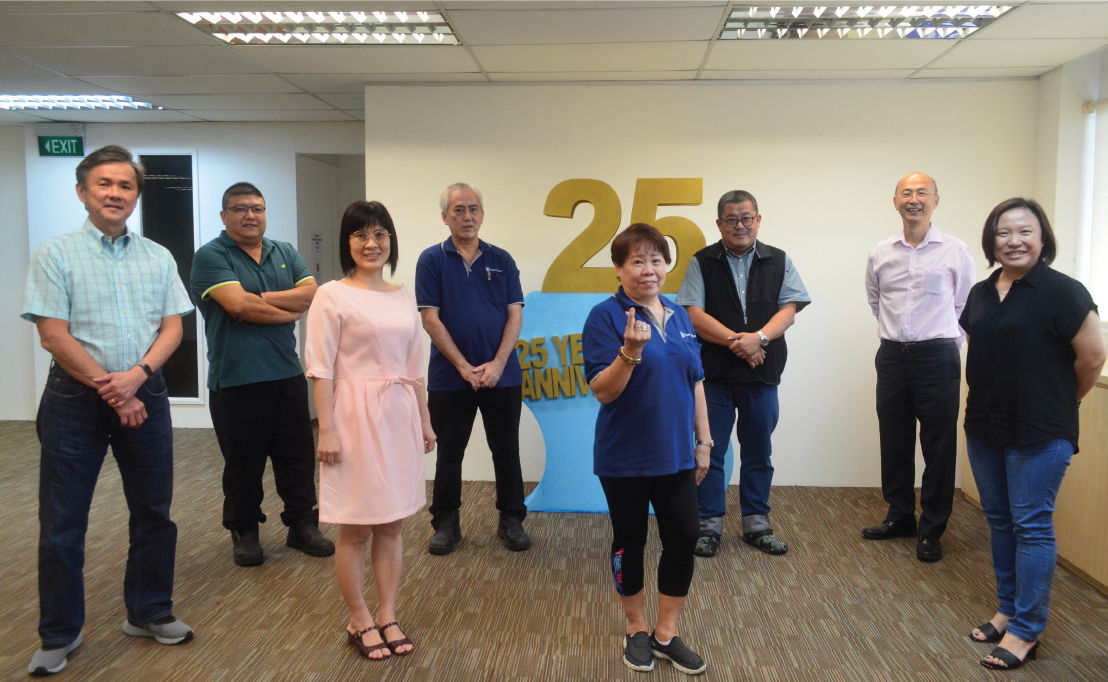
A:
251	291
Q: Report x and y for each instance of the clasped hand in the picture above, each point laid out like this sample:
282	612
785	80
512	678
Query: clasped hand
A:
748	347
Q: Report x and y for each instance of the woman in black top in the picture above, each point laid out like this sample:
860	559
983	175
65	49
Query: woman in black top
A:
1035	349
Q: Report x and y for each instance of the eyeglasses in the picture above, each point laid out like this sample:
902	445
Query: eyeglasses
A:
747	221
377	235
243	210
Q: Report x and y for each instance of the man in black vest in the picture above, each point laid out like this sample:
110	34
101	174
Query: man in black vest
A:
741	295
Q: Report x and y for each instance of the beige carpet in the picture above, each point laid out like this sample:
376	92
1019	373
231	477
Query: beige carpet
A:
836	607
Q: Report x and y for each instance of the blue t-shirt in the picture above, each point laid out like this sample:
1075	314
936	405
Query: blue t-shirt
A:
648	429
473	304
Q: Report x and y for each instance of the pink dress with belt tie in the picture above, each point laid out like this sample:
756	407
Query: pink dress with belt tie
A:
370	343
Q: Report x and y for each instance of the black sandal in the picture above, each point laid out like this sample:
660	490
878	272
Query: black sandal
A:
355	638
1010	660
992	635
394	644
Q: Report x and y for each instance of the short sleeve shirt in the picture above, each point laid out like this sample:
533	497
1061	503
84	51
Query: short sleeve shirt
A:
648	429
792	287
239	352
472	301
1019	367
113	294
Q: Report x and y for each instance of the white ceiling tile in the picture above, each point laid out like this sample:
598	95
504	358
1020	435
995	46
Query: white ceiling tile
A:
356	113
50	85
192	85
998	72
12	67
345	100
564	76
361	59
807	74
593	57
574	25
1056	20
134	28
824	54
46	6
269	115
239	101
14	117
322	83
145	61
116	116
1029	52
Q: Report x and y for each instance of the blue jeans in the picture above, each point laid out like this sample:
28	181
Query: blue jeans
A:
758	409
1018	486
75	427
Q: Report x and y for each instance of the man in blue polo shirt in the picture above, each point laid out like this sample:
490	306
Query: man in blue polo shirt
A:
251	291
469	296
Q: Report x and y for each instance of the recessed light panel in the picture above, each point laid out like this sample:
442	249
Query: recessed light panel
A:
816	22
325	28
119	102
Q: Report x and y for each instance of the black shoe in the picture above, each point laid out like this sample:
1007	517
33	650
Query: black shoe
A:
929	550
247	550
636	652
512	533
304	535
682	657
707	545
448	534
890	529
766	541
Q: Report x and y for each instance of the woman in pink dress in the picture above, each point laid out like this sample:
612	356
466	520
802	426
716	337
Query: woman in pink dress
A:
365	359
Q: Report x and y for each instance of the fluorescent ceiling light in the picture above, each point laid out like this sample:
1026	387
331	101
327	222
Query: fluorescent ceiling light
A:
859	21
23	102
325	28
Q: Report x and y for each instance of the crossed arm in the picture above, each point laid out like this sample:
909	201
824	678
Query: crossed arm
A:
271	307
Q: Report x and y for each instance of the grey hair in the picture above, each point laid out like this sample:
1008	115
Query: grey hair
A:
444	198
735	196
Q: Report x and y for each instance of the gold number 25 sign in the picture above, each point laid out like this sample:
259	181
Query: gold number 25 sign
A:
568	272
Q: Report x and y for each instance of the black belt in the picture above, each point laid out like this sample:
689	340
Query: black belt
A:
907	346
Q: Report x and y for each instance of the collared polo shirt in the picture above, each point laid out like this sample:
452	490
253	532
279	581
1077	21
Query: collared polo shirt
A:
917	292
113	294
1019	366
472	301
239	352
792	287
648	429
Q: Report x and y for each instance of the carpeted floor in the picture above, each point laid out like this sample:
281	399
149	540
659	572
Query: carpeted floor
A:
836	607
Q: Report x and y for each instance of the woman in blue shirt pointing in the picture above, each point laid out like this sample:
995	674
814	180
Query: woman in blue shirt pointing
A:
652	439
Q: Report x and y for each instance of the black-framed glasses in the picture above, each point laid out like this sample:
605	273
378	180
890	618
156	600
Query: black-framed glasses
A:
243	210
747	221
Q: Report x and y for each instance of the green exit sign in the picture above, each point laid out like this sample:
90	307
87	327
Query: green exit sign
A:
61	146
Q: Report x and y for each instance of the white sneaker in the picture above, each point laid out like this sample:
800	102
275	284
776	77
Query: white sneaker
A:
172	632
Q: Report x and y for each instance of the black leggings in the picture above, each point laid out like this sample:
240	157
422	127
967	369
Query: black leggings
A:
674	500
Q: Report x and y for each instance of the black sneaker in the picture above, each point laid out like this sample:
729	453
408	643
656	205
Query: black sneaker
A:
246	549
636	652
305	536
682	657
445	540
512	533
707	545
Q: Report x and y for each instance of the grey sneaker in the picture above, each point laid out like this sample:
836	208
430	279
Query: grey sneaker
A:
636	652
682	657
165	631
50	661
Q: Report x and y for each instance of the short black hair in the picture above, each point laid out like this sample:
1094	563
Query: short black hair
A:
735	196
639	233
109	154
241	189
988	235
362	214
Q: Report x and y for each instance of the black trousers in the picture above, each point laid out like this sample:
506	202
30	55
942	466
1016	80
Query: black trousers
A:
675	508
253	422
452	415
918	382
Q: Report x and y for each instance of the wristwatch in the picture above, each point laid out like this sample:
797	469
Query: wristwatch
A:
709	443
763	339
146	368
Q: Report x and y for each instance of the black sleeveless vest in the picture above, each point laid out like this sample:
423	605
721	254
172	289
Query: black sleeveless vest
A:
721	301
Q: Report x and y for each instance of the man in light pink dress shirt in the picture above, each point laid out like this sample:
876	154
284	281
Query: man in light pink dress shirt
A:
917	283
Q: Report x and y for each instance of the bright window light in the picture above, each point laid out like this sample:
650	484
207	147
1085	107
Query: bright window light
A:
120	102
859	22
325	28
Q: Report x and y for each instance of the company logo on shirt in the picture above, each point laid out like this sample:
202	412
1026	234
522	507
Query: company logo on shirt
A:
685	335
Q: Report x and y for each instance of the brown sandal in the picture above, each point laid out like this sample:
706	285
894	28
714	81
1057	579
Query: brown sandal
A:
355	638
395	644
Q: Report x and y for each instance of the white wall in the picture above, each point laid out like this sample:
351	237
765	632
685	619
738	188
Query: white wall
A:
17	343
264	154
822	159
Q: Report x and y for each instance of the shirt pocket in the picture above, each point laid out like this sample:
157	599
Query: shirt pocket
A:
938	280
